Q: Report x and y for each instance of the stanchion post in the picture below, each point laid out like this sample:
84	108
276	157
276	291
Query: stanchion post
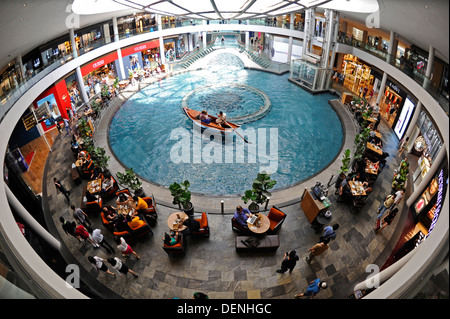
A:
222	206
267	203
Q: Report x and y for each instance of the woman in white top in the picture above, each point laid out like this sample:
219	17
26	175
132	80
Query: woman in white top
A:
100	265
121	267
123	247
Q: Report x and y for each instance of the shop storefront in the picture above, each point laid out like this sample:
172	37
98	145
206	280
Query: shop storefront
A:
10	79
356	75
422	215
52	105
392	102
425	143
140	56
102	70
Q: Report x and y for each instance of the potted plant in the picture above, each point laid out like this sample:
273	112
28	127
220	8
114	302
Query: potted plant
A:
259	192
360	144
182	196
345	162
399	180
130	180
100	159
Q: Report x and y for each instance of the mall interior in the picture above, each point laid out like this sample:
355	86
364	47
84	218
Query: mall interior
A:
67	68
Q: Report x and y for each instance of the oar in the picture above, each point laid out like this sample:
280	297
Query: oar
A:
245	140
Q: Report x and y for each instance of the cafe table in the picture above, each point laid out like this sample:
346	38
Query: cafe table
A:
94	186
125	209
357	188
175	221
372	169
374	148
261	224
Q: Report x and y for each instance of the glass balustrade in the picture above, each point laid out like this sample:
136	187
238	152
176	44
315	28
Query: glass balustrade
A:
11	97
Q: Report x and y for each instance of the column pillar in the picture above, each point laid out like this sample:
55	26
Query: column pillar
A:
308	31
204	35
19	60
115	29
72	43
430	66
430	174
289	57
247	39
382	87
291	22
80	81
392	49
333	44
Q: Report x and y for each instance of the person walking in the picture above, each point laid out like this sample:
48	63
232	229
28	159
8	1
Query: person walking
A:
117	264
80	216
99	264
289	262
313	289
123	247
67	126
329	233
398	197
83	233
387	220
317	250
60	188
99	239
69	227
388	202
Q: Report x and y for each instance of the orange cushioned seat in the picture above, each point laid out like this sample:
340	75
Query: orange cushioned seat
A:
276	218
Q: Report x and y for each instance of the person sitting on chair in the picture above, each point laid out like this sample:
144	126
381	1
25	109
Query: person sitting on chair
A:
141	205
241	215
193	226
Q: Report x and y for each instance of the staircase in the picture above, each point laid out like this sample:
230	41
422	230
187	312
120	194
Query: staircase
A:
262	60
194	56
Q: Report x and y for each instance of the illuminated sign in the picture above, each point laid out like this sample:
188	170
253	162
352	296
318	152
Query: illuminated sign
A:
405	116
140	47
438	201
88	68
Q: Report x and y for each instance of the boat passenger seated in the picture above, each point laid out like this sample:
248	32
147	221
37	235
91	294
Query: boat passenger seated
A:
222	119
204	118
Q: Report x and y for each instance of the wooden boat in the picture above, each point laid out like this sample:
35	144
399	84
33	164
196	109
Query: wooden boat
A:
194	116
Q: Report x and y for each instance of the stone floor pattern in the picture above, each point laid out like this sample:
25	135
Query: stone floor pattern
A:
212	265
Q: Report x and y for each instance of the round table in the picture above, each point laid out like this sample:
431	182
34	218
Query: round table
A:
262	227
172	221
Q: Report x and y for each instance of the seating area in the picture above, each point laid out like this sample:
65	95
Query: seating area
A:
253	244
181	227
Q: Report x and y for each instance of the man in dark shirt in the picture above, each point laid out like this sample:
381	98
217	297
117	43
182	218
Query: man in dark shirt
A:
62	189
192	226
289	262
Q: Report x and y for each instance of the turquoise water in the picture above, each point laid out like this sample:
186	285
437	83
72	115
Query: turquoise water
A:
298	137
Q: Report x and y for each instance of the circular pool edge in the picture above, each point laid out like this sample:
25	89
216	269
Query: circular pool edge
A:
213	203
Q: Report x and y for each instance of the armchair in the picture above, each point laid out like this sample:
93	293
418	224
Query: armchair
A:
276	218
204	226
179	249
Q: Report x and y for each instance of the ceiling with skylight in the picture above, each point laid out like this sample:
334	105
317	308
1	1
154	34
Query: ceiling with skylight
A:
221	9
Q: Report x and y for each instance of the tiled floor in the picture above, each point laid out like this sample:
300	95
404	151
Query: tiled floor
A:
212	265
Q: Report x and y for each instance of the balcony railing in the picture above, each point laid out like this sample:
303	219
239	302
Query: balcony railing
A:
7	100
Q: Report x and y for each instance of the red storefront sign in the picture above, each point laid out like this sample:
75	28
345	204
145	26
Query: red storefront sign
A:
91	66
140	47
